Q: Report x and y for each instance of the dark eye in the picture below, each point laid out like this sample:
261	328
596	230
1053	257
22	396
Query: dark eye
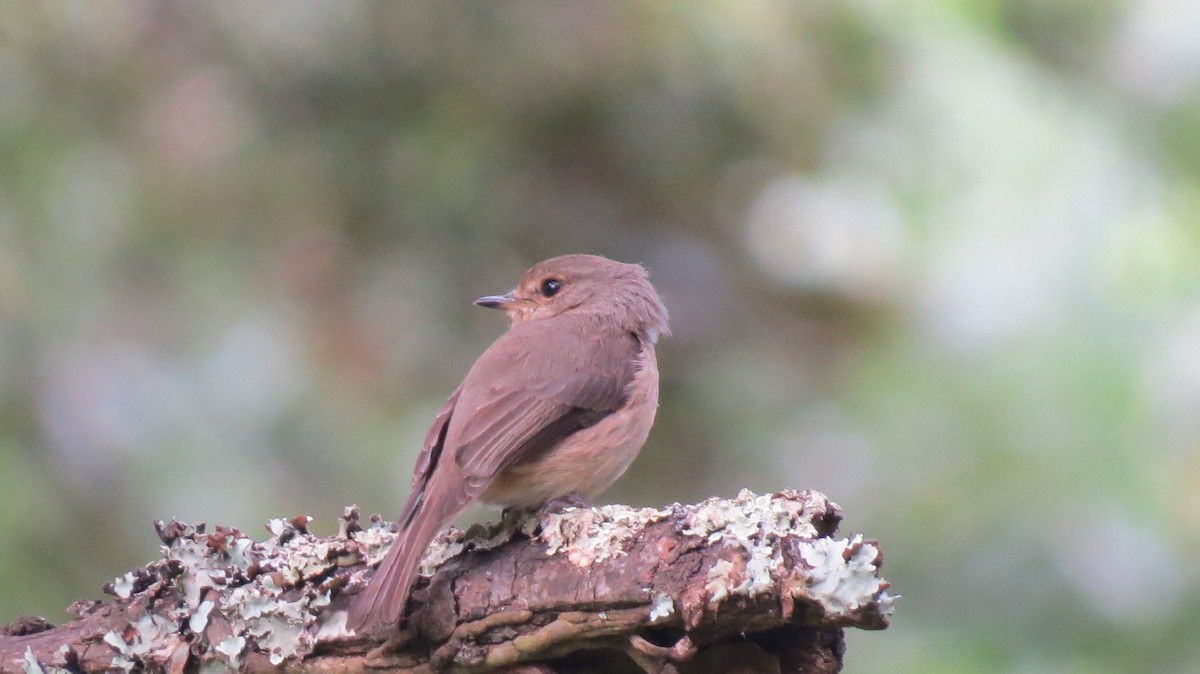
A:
550	287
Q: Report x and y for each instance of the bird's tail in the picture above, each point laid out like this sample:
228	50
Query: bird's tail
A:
386	595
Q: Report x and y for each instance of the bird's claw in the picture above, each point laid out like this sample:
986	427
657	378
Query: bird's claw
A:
560	504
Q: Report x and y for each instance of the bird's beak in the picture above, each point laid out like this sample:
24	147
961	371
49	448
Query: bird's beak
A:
496	301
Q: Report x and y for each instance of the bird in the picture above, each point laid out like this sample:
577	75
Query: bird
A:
558	406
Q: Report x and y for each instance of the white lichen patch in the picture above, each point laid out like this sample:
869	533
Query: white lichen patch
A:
590	535
30	664
280	637
720	580
122	586
492	535
662	607
749	516
841	575
231	649
378	539
239	553
198	622
278	526
844	575
447	544
333	625
756	524
204	568
277	622
268	594
149	638
375	540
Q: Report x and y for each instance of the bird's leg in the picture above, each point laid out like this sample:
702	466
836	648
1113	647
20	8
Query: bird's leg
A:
513	517
559	504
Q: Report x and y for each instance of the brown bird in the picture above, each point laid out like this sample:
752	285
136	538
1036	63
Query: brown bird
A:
559	404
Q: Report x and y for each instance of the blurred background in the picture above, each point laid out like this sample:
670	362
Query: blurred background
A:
940	260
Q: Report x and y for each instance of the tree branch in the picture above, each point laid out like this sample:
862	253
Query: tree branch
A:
752	584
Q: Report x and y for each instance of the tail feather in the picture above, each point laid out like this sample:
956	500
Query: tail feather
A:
386	595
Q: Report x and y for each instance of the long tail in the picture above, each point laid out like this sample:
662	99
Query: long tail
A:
384	599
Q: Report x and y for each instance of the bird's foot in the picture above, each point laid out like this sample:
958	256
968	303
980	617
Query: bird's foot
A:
560	504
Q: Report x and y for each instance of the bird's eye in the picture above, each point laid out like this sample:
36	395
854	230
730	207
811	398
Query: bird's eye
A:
550	287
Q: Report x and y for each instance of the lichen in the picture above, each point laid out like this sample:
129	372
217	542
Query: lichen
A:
199	620
280	636
378	539
30	663
146	637
446	545
122	586
332	625
231	649
750	516
720	580
662	607
756	524
375	541
590	535
844	575
269	594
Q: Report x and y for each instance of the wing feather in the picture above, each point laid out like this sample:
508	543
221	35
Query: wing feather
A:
427	460
530	403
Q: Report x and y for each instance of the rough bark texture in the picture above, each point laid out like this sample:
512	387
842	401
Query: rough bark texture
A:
751	585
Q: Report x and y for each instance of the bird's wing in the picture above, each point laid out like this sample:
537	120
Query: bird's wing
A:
526	394
431	451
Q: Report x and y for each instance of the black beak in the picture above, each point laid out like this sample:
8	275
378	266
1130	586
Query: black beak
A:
496	301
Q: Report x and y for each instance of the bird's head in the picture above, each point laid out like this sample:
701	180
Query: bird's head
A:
585	284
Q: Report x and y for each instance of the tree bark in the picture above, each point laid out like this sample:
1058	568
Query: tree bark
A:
751	585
